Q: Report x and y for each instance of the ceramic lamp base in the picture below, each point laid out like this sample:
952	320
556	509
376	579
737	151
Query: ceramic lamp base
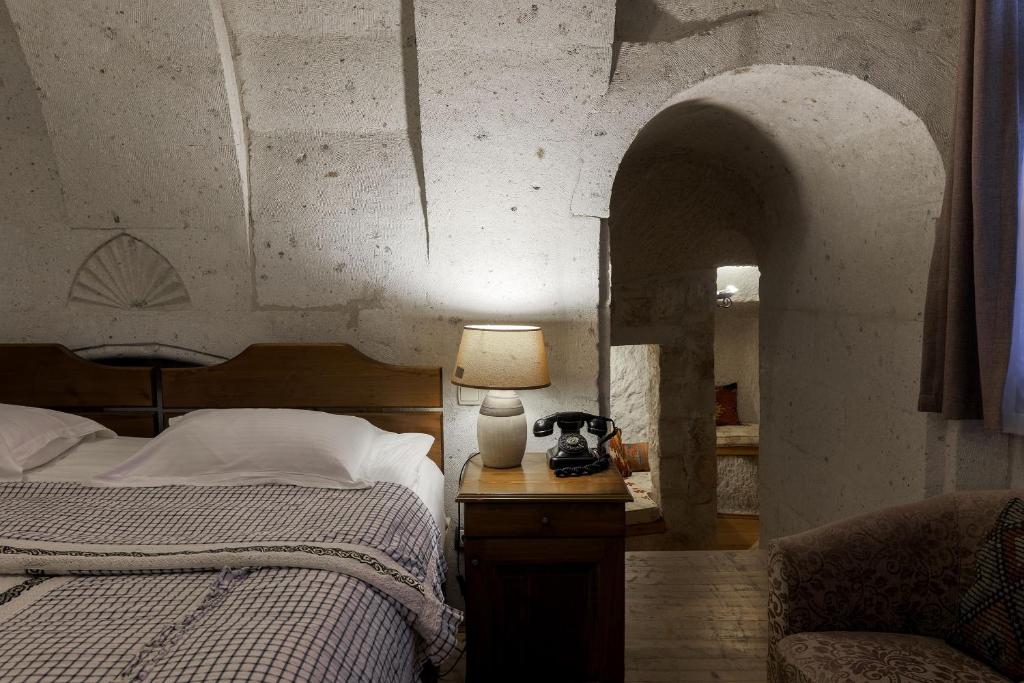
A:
501	430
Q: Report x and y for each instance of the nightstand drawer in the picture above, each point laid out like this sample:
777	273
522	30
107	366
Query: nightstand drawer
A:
539	519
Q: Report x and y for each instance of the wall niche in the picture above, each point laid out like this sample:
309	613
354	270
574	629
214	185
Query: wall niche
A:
127	273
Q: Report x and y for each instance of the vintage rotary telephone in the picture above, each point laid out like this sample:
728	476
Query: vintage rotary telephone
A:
573	456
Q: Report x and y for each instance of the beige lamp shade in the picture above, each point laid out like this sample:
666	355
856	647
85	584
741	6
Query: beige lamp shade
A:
502	357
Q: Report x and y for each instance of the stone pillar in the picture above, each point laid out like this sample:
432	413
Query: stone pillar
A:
679	315
686	436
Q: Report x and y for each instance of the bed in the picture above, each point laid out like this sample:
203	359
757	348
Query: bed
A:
189	583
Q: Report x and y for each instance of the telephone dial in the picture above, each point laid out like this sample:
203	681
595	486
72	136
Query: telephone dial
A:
572	456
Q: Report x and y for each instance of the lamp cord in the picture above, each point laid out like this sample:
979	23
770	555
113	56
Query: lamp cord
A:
460	579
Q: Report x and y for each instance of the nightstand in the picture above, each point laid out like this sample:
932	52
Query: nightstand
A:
545	574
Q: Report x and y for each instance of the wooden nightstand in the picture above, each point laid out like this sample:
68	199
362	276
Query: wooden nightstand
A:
544	574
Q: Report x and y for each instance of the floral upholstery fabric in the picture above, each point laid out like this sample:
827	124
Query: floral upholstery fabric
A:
851	657
893	571
899	570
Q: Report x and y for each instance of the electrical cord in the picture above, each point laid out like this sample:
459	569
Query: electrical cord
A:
460	579
599	465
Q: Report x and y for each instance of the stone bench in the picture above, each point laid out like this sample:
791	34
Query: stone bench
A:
738	447
643	515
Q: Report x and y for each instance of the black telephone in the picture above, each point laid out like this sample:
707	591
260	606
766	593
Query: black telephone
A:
573	456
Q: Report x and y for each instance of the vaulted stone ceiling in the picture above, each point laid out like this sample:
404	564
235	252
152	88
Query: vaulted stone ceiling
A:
290	159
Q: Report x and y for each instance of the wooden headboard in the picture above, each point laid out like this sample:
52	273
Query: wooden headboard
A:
138	401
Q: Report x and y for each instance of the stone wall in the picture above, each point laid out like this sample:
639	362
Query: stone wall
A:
829	203
674	220
738	484
905	49
634	391
379	173
371	173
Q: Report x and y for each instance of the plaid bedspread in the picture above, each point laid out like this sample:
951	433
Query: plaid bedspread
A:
253	583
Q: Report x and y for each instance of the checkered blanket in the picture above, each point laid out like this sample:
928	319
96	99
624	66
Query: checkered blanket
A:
253	583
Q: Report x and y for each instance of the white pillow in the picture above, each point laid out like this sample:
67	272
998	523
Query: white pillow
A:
237	447
30	437
398	458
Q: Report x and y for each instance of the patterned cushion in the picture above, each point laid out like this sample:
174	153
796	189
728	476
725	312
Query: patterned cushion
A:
726	412
636	456
859	657
990	621
617	453
643	509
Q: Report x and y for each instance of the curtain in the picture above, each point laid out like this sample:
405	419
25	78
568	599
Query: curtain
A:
1013	392
969	310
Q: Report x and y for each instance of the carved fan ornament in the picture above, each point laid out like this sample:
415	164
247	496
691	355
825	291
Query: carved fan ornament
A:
128	273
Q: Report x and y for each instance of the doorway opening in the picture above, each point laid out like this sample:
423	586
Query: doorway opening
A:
737	405
832	189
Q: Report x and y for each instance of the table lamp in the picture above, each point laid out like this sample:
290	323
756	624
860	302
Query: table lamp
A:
501	359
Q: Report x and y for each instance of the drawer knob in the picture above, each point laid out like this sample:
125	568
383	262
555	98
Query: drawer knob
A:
545	520
475	562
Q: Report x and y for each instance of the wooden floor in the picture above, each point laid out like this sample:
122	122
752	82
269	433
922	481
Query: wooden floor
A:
693	616
696	616
737	532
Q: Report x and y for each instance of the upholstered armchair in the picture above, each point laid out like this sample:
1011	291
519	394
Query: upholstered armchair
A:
873	597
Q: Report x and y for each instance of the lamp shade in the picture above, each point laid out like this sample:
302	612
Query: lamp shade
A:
502	357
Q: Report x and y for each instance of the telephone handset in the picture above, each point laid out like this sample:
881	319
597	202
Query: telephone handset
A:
573	456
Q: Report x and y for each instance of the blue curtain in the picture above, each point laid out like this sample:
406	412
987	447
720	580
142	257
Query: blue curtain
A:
1013	393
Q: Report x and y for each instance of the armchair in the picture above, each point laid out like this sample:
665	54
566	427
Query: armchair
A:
873	597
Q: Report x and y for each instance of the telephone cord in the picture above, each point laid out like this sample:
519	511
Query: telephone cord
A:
599	465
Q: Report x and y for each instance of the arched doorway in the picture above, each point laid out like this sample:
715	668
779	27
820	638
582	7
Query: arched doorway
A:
832	188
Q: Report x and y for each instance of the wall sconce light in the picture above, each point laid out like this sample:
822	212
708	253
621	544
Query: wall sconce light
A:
724	297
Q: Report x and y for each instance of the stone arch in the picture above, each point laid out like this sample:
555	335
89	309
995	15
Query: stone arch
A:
832	187
904	48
